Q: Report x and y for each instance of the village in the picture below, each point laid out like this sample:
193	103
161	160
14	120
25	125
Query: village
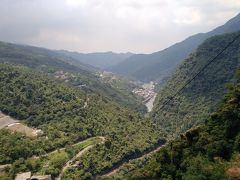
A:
147	92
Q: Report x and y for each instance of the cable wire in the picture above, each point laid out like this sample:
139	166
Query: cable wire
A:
201	70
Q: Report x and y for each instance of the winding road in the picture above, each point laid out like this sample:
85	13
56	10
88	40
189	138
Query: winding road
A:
81	153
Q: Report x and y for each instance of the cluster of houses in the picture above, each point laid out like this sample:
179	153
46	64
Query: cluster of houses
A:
147	91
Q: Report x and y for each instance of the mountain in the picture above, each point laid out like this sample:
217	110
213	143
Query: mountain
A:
66	115
201	96
209	151
40	58
67	69
205	116
159	65
99	60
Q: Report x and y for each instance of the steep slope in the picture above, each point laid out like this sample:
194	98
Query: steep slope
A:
201	96
210	151
40	58
99	60
67	69
159	65
66	115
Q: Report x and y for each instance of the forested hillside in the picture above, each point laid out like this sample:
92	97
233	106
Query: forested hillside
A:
70	69
66	115
200	97
210	151
159	65
119	90
40	58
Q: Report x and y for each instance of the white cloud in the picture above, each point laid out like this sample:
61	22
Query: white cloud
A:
76	3
188	16
104	25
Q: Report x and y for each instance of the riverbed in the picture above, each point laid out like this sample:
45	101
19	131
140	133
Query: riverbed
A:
149	104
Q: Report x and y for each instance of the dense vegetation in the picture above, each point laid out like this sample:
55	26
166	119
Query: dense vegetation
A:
210	151
118	89
40	58
67	115
79	74
70	103
15	146
159	65
200	97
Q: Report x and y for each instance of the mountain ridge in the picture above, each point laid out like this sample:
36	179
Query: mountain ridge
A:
209	151
101	60
202	95
160	65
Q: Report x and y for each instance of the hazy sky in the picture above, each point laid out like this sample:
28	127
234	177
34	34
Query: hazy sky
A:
141	26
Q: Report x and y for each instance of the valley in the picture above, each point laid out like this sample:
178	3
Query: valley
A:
145	91
48	105
170	114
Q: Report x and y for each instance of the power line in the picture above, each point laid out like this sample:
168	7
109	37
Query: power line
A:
201	70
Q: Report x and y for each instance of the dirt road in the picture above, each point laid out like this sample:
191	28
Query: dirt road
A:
82	152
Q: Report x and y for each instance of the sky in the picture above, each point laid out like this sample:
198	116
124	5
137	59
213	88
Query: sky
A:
138	26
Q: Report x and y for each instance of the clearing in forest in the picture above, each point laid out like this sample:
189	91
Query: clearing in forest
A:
14	125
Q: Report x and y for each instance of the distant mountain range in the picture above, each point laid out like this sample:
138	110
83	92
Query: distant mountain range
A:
159	65
101	60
